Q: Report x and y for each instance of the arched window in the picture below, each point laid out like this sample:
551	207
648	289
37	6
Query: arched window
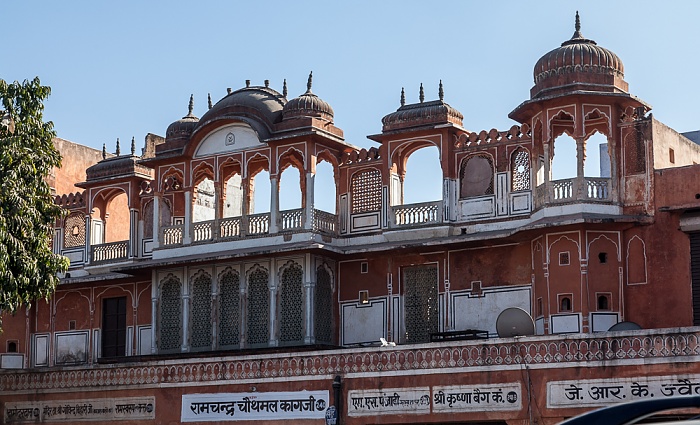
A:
565	304
323	306
520	170
366	189
200	313
603	302
291	301
205	202
170	314
423	179
476	177
74	230
258	307
229	309
324	187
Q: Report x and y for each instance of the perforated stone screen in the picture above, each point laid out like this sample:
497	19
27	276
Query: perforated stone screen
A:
366	191
420	302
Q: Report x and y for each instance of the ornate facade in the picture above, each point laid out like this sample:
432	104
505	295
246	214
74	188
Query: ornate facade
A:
185	303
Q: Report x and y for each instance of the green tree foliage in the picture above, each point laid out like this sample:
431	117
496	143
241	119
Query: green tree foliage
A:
28	267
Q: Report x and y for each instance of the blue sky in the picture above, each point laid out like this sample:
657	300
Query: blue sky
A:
123	69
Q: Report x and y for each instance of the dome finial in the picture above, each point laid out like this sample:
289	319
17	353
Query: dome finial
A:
118	150
578	22
308	83
104	151
209	100
441	92
284	88
421	95
577	33
133	146
403	97
190	107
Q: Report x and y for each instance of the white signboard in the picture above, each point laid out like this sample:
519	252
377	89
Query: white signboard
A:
602	392
481	398
389	401
102	410
254	406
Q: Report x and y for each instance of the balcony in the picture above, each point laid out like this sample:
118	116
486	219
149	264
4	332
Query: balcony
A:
112	252
594	189
421	214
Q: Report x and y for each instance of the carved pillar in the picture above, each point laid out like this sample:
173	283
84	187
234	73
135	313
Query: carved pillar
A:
214	311
274	287
88	237
309	296
309	204
154	310
218	206
187	233
245	209
580	191
133	233
157	197
274	204
185	312
547	174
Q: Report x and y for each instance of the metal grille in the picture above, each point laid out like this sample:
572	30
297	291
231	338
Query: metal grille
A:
170	314
292	304
74	231
200	316
323	307
520	170
420	302
258	307
229	311
366	191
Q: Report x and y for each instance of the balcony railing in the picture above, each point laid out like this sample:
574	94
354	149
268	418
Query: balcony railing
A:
203	231
259	224
562	190
230	227
598	188
292	219
325	222
417	214
565	190
172	235
109	252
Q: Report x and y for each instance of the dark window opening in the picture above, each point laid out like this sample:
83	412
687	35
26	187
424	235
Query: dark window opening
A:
364	267
603	302
11	346
565	304
564	259
114	327
539	306
71	325
603	257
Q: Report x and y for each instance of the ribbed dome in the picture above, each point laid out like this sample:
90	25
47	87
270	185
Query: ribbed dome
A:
182	128
579	61
308	105
261	103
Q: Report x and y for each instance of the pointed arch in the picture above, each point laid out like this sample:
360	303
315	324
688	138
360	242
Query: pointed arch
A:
291	303
170	314
323	304
636	261
229	310
200	311
258	314
520	169
476	175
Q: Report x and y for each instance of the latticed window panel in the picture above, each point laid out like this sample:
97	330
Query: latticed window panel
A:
258	307
420	302
200	314
476	176
366	191
323	306
74	231
170	314
520	170
148	220
229	309
292	304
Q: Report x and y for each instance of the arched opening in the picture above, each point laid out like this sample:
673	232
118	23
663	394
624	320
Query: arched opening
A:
564	163
325	192
422	181
565	304
260	193
147	215
597	162
117	219
603	303
290	189
233	196
476	177
205	201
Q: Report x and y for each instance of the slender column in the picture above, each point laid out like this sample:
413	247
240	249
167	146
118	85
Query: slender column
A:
154	310
185	311
218	206
580	184
157	196
214	311
547	174
88	237
309	313
274	204
309	205
273	286
187	234
245	209
133	233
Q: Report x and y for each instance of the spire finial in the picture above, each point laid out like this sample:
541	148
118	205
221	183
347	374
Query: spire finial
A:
308	83
118	150
577	33
104	151
441	93
247	83
133	146
421	95
209	100
284	88
267	83
190	107
578	22
403	97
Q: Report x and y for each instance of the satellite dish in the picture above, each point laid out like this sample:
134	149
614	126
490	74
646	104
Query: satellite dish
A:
624	326
514	321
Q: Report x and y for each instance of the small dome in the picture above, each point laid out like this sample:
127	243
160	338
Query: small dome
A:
262	104
308	105
579	61
423	113
183	128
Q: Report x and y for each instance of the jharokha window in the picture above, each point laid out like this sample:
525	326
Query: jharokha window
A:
366	191
476	177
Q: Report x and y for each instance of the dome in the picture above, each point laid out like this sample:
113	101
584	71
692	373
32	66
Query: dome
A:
182	128
423	113
578	64
308	105
262	104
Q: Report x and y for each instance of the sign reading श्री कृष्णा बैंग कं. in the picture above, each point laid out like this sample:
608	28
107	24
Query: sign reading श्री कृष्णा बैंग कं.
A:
254	406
